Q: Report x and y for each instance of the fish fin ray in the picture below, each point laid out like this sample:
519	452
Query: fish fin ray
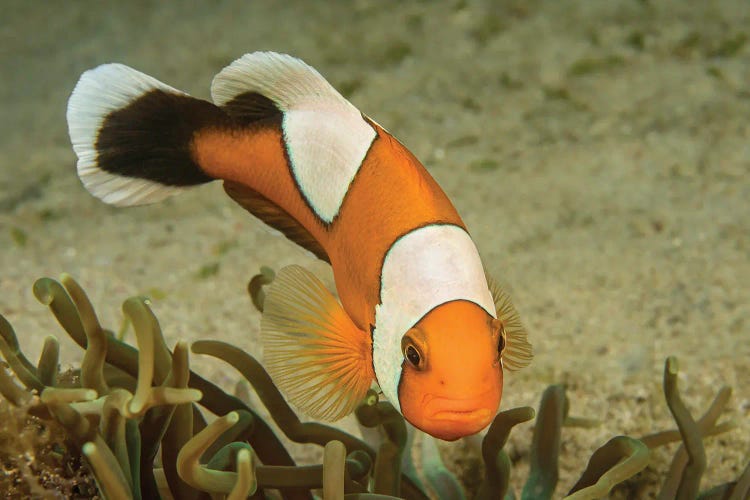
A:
518	351
250	107
321	388
275	216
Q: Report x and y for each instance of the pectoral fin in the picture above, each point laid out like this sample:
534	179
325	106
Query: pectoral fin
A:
314	352
518	352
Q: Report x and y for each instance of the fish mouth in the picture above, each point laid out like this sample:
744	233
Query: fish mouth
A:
464	410
463	416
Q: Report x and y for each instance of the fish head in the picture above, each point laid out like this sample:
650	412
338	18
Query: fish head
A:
451	378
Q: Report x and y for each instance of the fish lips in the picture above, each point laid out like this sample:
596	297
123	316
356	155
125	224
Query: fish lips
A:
452	418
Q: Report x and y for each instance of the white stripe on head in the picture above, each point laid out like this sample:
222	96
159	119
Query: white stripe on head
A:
326	137
427	267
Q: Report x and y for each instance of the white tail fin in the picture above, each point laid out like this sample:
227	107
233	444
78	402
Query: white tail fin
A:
131	133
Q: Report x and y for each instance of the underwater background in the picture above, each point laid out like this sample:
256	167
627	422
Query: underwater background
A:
599	153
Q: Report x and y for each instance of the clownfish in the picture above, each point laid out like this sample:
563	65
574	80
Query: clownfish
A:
417	314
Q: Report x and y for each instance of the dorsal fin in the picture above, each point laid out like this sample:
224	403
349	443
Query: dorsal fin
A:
276	217
286	81
251	107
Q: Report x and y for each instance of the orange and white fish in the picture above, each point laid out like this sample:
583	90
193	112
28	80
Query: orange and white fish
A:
416	316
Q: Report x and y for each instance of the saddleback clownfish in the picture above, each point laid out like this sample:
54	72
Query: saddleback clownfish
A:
417	314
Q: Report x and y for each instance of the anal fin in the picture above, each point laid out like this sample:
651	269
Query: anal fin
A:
275	216
313	351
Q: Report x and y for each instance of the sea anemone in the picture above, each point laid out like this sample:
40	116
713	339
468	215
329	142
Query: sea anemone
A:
129	423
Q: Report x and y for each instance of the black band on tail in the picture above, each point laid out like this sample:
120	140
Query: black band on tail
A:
150	138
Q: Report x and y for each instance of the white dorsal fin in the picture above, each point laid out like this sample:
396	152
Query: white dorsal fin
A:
287	81
313	351
327	139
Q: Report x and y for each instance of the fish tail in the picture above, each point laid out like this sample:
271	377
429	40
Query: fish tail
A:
133	135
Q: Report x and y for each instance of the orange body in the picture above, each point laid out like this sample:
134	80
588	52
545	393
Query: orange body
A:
391	194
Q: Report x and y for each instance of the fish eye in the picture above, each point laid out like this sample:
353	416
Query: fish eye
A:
415	349
412	355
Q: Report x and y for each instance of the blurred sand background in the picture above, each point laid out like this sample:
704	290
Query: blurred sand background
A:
598	151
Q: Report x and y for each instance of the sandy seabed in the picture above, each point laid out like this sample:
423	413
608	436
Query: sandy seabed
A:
599	153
